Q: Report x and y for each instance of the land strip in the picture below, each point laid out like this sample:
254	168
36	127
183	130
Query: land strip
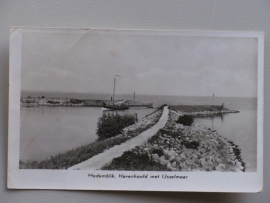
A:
100	160
72	102
201	109
182	148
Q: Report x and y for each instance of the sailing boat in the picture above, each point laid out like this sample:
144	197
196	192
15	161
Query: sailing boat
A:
115	106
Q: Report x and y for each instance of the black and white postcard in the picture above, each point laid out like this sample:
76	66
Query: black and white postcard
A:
142	110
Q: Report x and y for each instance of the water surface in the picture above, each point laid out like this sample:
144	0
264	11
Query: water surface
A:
46	131
239	128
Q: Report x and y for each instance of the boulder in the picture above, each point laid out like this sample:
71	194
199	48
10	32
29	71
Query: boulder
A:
182	155
220	167
146	149
164	162
166	151
178	159
162	158
171	152
155	157
172	158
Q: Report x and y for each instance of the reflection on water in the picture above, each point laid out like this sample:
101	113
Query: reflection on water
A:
241	129
46	131
210	118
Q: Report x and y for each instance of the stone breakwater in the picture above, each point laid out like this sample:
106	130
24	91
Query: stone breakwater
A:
192	148
206	113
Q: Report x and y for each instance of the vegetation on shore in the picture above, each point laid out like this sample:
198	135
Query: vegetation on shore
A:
186	120
75	156
112	124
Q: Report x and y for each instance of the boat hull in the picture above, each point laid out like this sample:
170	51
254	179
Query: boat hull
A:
112	108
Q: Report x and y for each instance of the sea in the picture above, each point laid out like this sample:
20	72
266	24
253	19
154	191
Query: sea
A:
47	131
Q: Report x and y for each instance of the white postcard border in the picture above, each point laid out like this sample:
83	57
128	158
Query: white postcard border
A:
82	179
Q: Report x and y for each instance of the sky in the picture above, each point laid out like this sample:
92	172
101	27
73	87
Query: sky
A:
87	62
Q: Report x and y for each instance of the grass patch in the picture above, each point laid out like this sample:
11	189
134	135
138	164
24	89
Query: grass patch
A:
74	156
152	112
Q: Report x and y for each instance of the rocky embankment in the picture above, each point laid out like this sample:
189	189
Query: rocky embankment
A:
191	148
201	110
207	113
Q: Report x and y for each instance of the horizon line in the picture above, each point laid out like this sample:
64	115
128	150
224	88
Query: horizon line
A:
63	92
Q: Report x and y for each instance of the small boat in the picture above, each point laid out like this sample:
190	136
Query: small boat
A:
115	106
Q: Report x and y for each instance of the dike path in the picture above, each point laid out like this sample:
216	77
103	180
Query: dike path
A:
96	162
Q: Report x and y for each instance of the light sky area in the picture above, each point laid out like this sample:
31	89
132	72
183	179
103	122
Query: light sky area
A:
149	64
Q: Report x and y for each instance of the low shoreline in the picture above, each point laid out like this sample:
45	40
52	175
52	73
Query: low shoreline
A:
72	102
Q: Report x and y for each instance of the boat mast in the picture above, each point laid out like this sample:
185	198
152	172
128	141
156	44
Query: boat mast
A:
114	85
